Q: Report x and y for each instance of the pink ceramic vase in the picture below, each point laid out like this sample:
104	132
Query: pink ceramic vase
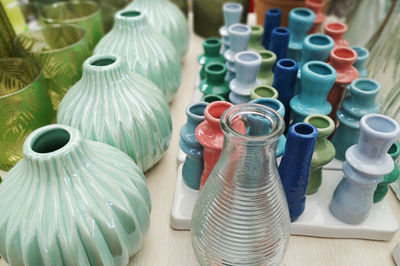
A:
336	30
316	6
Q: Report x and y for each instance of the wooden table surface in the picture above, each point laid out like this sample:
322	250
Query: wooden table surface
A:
165	246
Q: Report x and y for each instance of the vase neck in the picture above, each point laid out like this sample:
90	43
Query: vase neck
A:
127	21
363	93
195	115
247	65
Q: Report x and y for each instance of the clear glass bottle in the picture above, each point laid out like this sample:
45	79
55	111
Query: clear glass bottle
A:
241	216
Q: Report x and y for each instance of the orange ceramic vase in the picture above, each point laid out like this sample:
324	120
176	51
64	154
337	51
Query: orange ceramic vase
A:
336	30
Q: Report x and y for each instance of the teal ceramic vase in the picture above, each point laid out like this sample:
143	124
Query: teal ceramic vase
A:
360	102
72	201
255	39
147	52
317	79
215	82
362	57
167	19
265	74
212	48
114	105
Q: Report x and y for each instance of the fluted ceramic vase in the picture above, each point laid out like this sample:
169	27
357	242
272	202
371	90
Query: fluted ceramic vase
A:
116	106
147	52
72	201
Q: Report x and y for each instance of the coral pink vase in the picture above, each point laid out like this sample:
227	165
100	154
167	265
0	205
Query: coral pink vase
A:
341	59
336	30
211	137
316	6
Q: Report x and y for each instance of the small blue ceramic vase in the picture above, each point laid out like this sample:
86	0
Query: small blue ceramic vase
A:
194	163
232	13
247	65
300	22
271	21
317	79
277	106
360	102
365	166
239	36
284	82
294	169
362	57
279	42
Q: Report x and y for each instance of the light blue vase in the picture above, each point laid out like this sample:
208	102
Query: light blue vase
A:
317	79
364	168
247	65
194	163
300	22
360	102
362	57
239	36
232	13
277	106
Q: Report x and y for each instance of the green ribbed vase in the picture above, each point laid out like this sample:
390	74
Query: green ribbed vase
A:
72	201
114	105
148	52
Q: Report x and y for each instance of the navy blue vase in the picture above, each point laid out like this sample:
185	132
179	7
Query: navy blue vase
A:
279	42
194	163
284	82
272	20
294	169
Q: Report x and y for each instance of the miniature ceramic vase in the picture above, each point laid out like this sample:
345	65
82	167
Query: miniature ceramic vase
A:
194	163
232	13
210	98
317	79
242	205
239	35
300	23
255	39
295	166
147	52
360	102
116	106
277	106
212	48
167	19
265	74
324	150
336	30
87	203
362	57
284	82
263	91
215	82
279	42
247	65
210	136
272	20
365	166
342	60
383	187
316	6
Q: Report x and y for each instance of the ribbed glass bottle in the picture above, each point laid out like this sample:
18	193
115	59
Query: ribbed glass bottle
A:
241	216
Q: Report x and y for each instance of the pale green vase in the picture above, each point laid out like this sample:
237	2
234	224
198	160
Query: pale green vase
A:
116	106
72	201
147	51
168	19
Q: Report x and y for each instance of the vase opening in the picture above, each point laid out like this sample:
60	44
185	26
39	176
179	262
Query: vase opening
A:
303	12
281	30
212	98
265	55
366	85
103	61
344	53
248	57
232	7
240	29
336	27
216	68
130	14
319	40
319	122
50	141
274	11
380	124
304	129
286	63
319	68
213	41
256	29
265	92
197	110
394	150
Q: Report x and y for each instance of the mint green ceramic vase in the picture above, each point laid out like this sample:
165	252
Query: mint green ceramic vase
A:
72	201
116	106
147	51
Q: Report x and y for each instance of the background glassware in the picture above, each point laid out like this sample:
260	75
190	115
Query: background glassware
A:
61	51
24	106
7	34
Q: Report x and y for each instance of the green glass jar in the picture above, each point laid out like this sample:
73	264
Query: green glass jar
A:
215	82
255	39
265	75
212	48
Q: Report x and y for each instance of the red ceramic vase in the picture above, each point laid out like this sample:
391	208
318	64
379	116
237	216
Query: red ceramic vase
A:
316	6
211	137
342	60
336	30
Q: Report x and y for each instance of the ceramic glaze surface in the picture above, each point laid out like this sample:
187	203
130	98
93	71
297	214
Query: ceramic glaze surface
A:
279	42
272	20
215	82
210	98
362	57
130	112
79	202
232	13
263	91
316	6
336	30
255	39
166	18
147	52
365	166
265	74
212	47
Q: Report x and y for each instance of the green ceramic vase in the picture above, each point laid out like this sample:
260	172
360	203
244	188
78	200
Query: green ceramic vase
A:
72	201
265	75
255	39
167	19
212	48
215	82
263	91
324	150
147	52
114	105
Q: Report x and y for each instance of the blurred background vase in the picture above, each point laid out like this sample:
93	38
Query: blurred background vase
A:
24	106
7	34
183	5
